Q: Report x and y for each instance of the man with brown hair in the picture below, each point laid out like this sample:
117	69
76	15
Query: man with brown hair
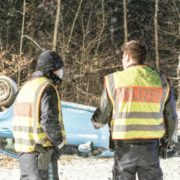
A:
139	105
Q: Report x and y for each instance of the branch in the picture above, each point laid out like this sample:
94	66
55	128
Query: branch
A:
176	86
174	78
95	97
147	28
102	28
34	42
72	29
176	8
95	71
20	12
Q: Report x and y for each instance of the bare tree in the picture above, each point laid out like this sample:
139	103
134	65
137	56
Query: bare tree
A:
98	45
31	29
125	22
102	27
21	42
65	44
178	67
72	28
56	24
178	74
156	34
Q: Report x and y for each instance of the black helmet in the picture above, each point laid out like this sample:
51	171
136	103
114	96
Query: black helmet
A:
50	61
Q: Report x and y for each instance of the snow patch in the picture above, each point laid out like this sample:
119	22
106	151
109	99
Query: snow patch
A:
93	136
93	169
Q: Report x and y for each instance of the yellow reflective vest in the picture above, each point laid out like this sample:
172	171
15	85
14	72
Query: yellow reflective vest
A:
138	95
27	129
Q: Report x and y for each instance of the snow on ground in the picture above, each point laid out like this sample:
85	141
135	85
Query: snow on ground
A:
77	168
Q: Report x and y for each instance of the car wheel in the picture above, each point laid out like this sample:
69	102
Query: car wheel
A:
8	91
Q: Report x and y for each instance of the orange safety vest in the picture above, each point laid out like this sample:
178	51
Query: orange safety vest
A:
138	95
27	129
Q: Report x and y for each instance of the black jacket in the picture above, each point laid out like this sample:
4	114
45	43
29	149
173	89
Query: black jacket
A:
103	113
49	113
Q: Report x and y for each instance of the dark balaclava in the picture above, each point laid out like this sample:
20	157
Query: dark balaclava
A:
50	61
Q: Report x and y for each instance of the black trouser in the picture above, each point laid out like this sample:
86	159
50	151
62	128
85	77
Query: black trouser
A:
28	164
140	158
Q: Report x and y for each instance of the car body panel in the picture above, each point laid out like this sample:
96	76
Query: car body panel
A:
77	122
6	119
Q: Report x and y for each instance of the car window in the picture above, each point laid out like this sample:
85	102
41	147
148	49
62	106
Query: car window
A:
7	145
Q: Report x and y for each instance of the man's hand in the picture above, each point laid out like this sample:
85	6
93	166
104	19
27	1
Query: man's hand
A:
95	127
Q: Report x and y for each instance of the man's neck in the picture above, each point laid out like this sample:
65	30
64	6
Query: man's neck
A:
133	64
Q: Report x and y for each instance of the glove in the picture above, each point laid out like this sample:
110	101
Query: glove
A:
95	127
111	143
165	139
58	152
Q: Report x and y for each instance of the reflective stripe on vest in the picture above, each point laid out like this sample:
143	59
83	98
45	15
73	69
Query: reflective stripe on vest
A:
27	129
138	95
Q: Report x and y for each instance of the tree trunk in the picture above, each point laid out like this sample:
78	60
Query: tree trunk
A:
72	28
178	67
156	34
20	53
63	55
125	22
87	90
178	73
1	47
56	25
7	38
31	45
65	47
102	28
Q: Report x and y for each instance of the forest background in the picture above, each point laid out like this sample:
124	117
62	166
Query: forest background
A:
88	35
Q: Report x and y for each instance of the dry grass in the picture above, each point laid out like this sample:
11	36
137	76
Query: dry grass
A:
68	158
8	162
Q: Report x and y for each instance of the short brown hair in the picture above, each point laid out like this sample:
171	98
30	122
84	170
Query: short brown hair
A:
136	49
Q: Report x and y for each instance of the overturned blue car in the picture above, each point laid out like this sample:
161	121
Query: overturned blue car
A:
82	138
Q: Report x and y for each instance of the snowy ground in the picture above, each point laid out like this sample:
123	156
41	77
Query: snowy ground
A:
77	168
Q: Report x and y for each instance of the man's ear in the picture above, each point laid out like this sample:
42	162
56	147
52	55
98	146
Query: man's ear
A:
128	58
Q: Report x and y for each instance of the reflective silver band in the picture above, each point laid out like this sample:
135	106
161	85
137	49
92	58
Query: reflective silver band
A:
29	142
147	115
138	127
140	115
27	129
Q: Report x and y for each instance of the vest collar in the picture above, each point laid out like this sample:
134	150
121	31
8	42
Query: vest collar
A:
135	64
49	75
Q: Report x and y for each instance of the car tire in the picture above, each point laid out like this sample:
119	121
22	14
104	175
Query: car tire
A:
8	91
